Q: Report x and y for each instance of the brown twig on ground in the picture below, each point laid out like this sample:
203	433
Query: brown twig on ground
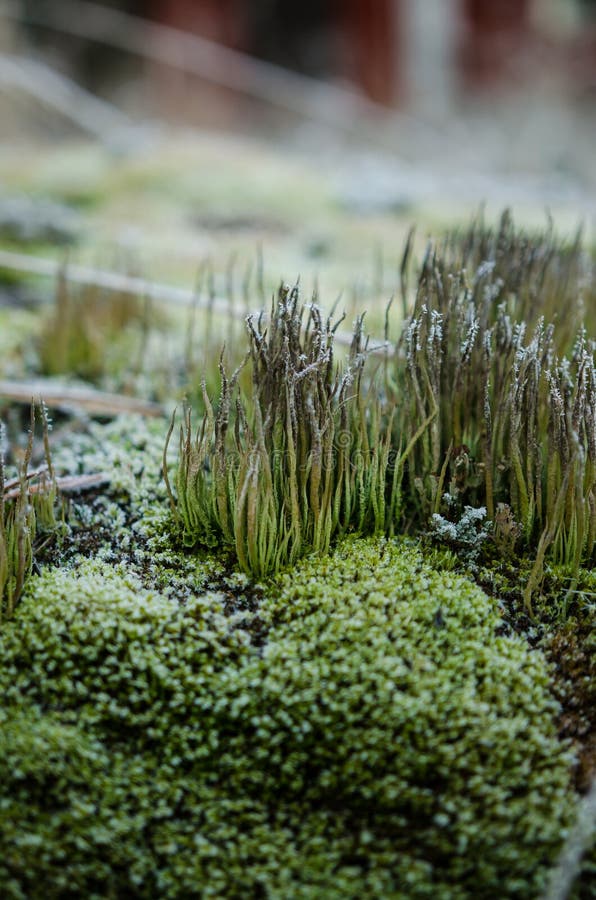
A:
337	107
152	290
16	482
87	398
68	484
50	88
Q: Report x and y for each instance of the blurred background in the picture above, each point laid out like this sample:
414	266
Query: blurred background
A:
319	130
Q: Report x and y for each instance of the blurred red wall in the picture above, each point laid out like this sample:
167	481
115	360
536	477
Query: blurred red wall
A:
365	41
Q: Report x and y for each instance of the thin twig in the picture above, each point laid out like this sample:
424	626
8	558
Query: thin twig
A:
155	291
67	484
334	106
112	281
16	482
65	397
51	88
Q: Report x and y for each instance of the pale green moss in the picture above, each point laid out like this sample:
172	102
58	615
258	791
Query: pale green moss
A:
16	329
364	732
130	521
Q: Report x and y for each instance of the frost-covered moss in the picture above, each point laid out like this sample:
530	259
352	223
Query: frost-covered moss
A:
129	522
106	653
364	732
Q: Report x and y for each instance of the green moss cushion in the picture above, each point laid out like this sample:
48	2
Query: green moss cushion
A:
367	732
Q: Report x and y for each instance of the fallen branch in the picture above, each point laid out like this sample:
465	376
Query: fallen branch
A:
341	108
50	88
89	399
15	482
152	290
68	484
111	281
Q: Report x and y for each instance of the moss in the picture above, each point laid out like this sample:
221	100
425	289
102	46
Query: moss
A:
446	728
364	732
16	328
129	523
106	653
92	333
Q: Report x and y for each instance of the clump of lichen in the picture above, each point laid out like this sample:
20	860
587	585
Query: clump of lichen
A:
365	731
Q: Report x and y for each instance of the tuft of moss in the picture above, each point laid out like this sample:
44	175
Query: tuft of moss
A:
302	459
486	403
500	350
23	508
366	731
89	333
